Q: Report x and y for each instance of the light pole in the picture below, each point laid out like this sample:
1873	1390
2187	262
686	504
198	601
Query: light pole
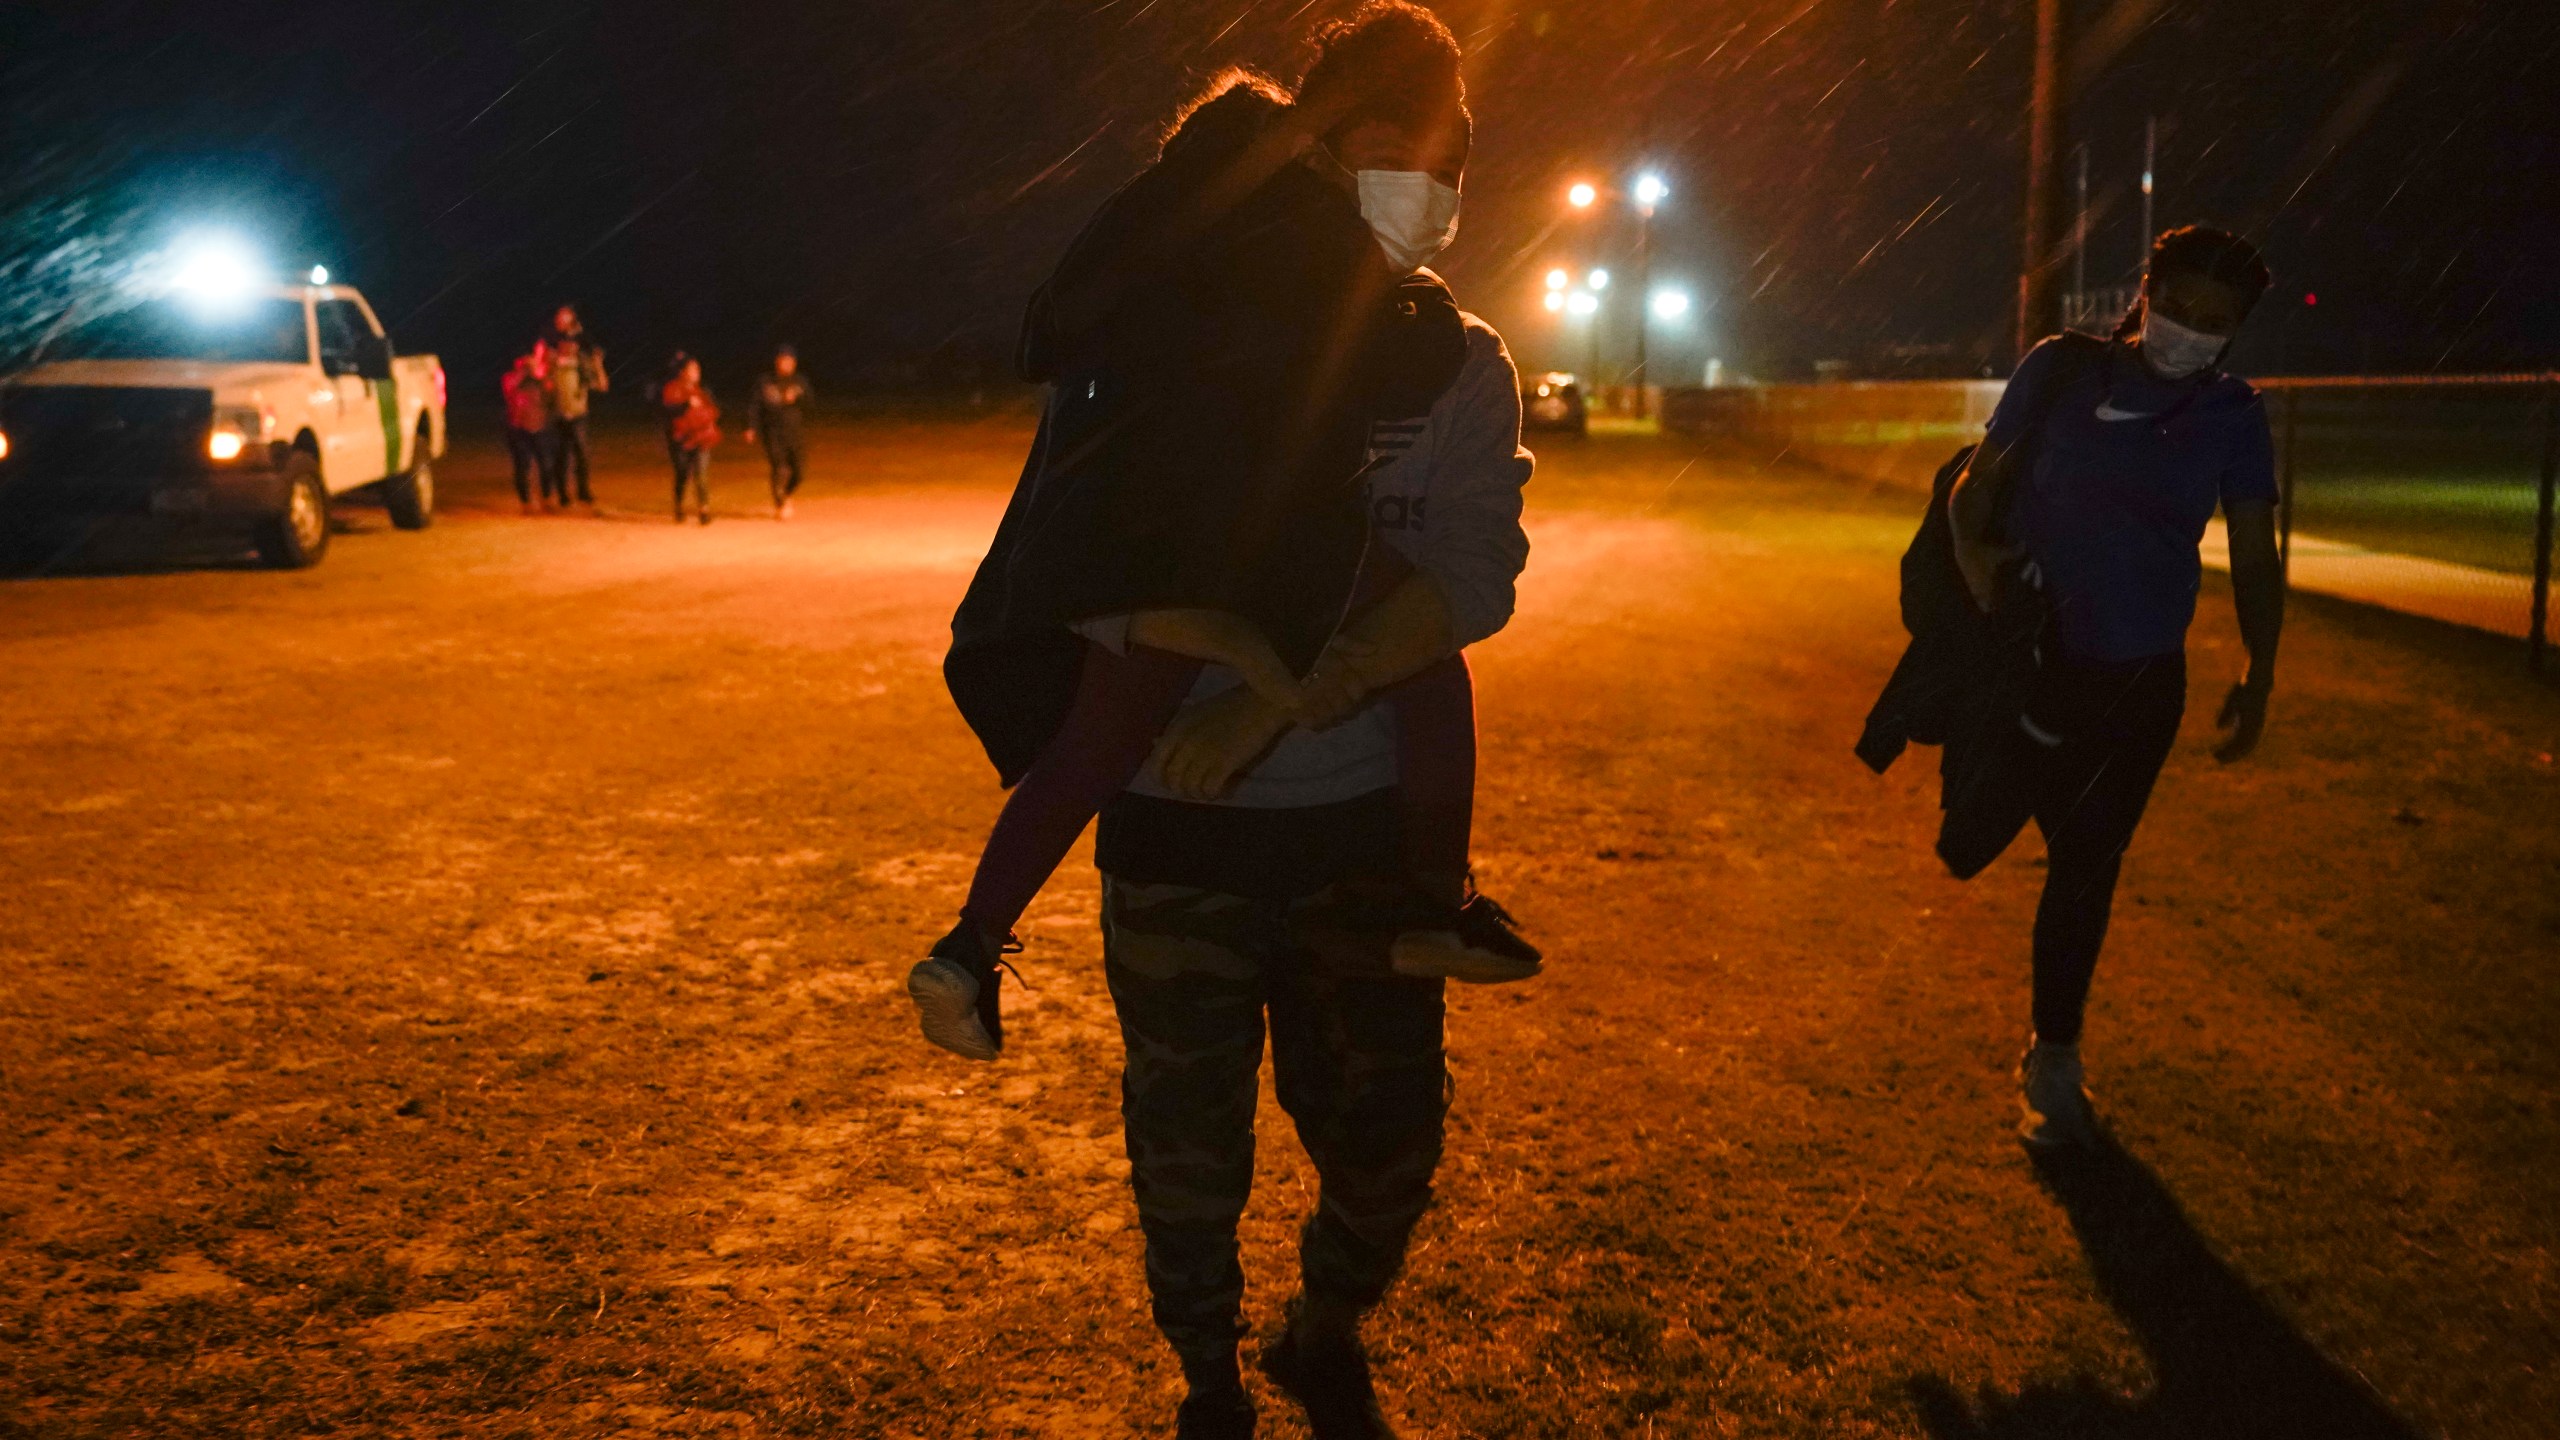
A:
2150	158
1650	192
2080	238
1583	305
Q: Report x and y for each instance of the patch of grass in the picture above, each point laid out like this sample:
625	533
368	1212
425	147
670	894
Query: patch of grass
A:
371	1286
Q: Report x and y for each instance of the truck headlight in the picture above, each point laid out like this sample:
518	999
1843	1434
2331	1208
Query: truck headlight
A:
234	431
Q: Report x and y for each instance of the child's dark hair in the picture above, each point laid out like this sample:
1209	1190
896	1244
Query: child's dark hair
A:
1399	58
1234	77
2201	250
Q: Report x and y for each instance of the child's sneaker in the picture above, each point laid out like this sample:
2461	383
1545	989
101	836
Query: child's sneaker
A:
954	987
1477	943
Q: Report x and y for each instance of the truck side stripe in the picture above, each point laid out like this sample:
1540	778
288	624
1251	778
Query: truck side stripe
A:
387	391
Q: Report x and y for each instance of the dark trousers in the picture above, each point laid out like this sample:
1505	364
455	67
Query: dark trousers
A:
1358	1066
530	450
783	458
692	468
2099	736
568	456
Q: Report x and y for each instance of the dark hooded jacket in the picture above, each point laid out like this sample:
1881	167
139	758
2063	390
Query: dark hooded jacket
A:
1963	680
1203	442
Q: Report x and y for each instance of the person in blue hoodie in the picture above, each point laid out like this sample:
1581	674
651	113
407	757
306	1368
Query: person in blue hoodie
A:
2133	450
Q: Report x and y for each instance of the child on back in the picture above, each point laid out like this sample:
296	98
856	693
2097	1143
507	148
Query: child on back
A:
693	427
1134	668
527	389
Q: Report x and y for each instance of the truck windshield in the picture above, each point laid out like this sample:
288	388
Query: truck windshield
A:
253	331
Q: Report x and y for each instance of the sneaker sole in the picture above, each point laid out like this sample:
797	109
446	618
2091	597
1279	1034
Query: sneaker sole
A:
1439	957
947	1008
2050	1138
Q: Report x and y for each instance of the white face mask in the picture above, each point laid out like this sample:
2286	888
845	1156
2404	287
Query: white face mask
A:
1414	216
2174	351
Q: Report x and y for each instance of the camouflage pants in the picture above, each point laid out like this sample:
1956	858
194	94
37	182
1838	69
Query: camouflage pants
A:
1357	1064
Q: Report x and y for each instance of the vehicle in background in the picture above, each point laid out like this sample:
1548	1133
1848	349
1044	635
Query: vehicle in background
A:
258	408
1553	401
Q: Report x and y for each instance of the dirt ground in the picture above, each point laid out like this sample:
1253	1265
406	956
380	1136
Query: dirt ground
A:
457	991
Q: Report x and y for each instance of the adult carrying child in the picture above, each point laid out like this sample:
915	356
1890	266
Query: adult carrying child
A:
1221	341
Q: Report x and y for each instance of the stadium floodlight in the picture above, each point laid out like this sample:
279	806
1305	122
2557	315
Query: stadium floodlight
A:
1583	302
1650	191
1581	195
1555	300
1670	304
1558	279
1599	280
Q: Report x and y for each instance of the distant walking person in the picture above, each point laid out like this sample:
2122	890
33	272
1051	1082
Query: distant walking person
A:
2075	527
693	427
577	375
773	411
527	387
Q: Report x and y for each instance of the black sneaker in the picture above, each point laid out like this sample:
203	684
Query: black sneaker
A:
1478	943
1331	1381
1221	1413
954	987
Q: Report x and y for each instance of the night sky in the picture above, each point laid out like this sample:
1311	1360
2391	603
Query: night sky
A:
883	183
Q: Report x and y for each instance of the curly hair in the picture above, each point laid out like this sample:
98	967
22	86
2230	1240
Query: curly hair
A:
1396	55
1235	77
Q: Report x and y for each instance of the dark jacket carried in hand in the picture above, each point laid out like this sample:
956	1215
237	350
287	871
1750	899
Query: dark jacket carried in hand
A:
1204	438
1963	680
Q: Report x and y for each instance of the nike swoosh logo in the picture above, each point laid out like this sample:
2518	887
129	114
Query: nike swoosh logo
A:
2108	411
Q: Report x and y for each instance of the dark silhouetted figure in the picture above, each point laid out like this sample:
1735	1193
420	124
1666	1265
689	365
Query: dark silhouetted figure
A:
773	415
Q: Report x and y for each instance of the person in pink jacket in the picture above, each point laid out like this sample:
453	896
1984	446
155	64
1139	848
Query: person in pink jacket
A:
527	386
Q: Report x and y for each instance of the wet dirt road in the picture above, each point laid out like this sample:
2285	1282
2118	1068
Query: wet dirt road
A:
456	990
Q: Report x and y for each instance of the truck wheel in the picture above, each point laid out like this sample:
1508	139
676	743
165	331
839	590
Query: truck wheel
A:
296	537
411	495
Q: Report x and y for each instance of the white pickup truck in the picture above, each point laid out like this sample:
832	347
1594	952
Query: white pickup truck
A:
258	408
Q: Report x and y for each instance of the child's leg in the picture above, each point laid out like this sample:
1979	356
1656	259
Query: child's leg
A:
1435	712
1122	703
520	455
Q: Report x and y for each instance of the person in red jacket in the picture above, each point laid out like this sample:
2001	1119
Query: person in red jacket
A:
693	427
527	386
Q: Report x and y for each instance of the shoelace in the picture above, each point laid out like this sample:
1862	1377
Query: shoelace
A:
1012	946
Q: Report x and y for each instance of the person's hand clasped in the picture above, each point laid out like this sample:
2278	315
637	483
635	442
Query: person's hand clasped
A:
1336	687
1207	746
2244	716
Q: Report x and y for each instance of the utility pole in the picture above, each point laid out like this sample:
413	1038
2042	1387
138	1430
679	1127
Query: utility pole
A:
2038	315
2080	236
2150	159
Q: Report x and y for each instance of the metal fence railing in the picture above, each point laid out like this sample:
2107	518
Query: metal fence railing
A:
2431	494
